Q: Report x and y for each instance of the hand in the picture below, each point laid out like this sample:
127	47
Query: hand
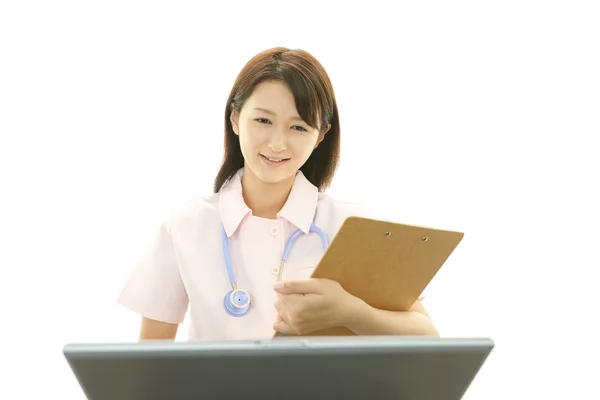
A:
308	305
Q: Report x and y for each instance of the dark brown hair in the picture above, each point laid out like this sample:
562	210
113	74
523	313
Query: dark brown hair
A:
315	101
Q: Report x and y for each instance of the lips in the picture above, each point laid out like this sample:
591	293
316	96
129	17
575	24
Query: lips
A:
273	160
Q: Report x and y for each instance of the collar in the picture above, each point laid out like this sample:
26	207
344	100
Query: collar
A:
299	209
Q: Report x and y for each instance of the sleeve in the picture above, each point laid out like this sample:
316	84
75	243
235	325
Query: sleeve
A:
155	288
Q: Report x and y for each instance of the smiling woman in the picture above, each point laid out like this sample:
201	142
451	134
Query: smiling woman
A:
282	144
274	142
284	90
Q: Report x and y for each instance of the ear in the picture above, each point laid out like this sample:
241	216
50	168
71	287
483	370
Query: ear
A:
235	121
322	136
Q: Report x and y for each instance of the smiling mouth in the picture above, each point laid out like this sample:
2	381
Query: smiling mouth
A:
273	160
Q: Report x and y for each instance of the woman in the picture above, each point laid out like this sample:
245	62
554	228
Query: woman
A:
220	255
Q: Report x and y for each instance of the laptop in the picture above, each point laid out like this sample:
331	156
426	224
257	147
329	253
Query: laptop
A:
315	368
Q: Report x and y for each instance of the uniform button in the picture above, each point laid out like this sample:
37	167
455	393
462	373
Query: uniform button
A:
274	230
275	270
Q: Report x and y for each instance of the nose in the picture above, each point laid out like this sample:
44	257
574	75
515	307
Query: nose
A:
278	141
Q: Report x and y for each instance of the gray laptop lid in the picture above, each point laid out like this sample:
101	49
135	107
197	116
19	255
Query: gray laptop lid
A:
313	368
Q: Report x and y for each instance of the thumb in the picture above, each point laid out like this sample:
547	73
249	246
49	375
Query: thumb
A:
300	286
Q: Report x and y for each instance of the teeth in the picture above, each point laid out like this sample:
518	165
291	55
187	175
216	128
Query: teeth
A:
275	159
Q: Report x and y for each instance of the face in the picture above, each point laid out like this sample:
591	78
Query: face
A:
275	141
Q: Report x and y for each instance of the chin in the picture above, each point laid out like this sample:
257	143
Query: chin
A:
272	175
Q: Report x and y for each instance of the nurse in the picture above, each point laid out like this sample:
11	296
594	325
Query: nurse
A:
239	260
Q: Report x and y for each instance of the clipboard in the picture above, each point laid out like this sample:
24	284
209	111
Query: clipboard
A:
386	264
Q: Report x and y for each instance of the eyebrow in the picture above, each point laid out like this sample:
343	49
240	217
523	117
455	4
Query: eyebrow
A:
272	113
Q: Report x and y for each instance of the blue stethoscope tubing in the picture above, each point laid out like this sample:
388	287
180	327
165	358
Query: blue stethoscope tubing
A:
237	301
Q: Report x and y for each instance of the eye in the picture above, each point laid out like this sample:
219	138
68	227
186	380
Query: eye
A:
262	120
301	128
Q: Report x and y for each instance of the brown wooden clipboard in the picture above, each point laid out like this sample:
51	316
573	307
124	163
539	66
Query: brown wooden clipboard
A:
386	264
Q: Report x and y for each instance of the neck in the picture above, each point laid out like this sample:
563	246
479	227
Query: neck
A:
265	199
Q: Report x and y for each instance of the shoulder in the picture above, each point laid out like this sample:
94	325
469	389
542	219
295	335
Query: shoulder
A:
329	205
187	214
332	212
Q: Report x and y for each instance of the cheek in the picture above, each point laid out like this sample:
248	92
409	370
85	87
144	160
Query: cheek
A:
250	137
304	145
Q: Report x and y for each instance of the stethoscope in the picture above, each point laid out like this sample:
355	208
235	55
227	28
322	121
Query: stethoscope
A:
237	301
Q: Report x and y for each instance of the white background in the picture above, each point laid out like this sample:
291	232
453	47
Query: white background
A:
478	116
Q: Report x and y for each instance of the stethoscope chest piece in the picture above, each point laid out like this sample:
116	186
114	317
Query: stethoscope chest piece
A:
237	302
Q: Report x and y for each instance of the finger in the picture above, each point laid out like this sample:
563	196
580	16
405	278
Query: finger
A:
281	310
283	328
278	320
300	286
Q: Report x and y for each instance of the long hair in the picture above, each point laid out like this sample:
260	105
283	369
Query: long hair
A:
315	101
